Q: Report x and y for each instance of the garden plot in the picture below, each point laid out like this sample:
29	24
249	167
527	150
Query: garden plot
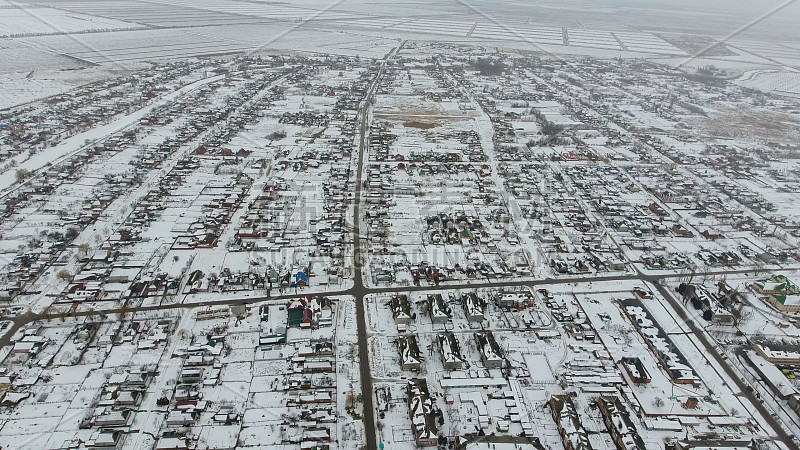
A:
69	199
643	118
594	39
22	87
543	34
733	239
432	26
566	228
781	194
689	149
190	194
287	212
771	81
776	51
648	43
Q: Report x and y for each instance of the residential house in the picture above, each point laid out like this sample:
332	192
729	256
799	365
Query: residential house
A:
439	309
423	413
474	307
401	309
410	356
452	359
573	435
491	353
619	424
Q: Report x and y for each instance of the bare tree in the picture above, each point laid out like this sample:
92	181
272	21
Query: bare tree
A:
64	275
22	175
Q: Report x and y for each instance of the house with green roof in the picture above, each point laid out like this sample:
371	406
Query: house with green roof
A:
780	292
777	284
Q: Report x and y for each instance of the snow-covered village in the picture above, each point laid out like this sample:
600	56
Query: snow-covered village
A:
491	226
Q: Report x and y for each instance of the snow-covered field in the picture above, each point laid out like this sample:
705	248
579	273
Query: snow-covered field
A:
27	21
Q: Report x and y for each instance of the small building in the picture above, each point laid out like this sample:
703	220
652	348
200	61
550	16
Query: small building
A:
128	398
635	369
178	418
213	313
515	300
778	353
192	375
107	439
309	311
112	419
321	366
315	397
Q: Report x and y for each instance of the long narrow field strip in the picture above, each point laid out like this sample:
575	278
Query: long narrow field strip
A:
269	11
595	39
29	21
157	14
777	50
